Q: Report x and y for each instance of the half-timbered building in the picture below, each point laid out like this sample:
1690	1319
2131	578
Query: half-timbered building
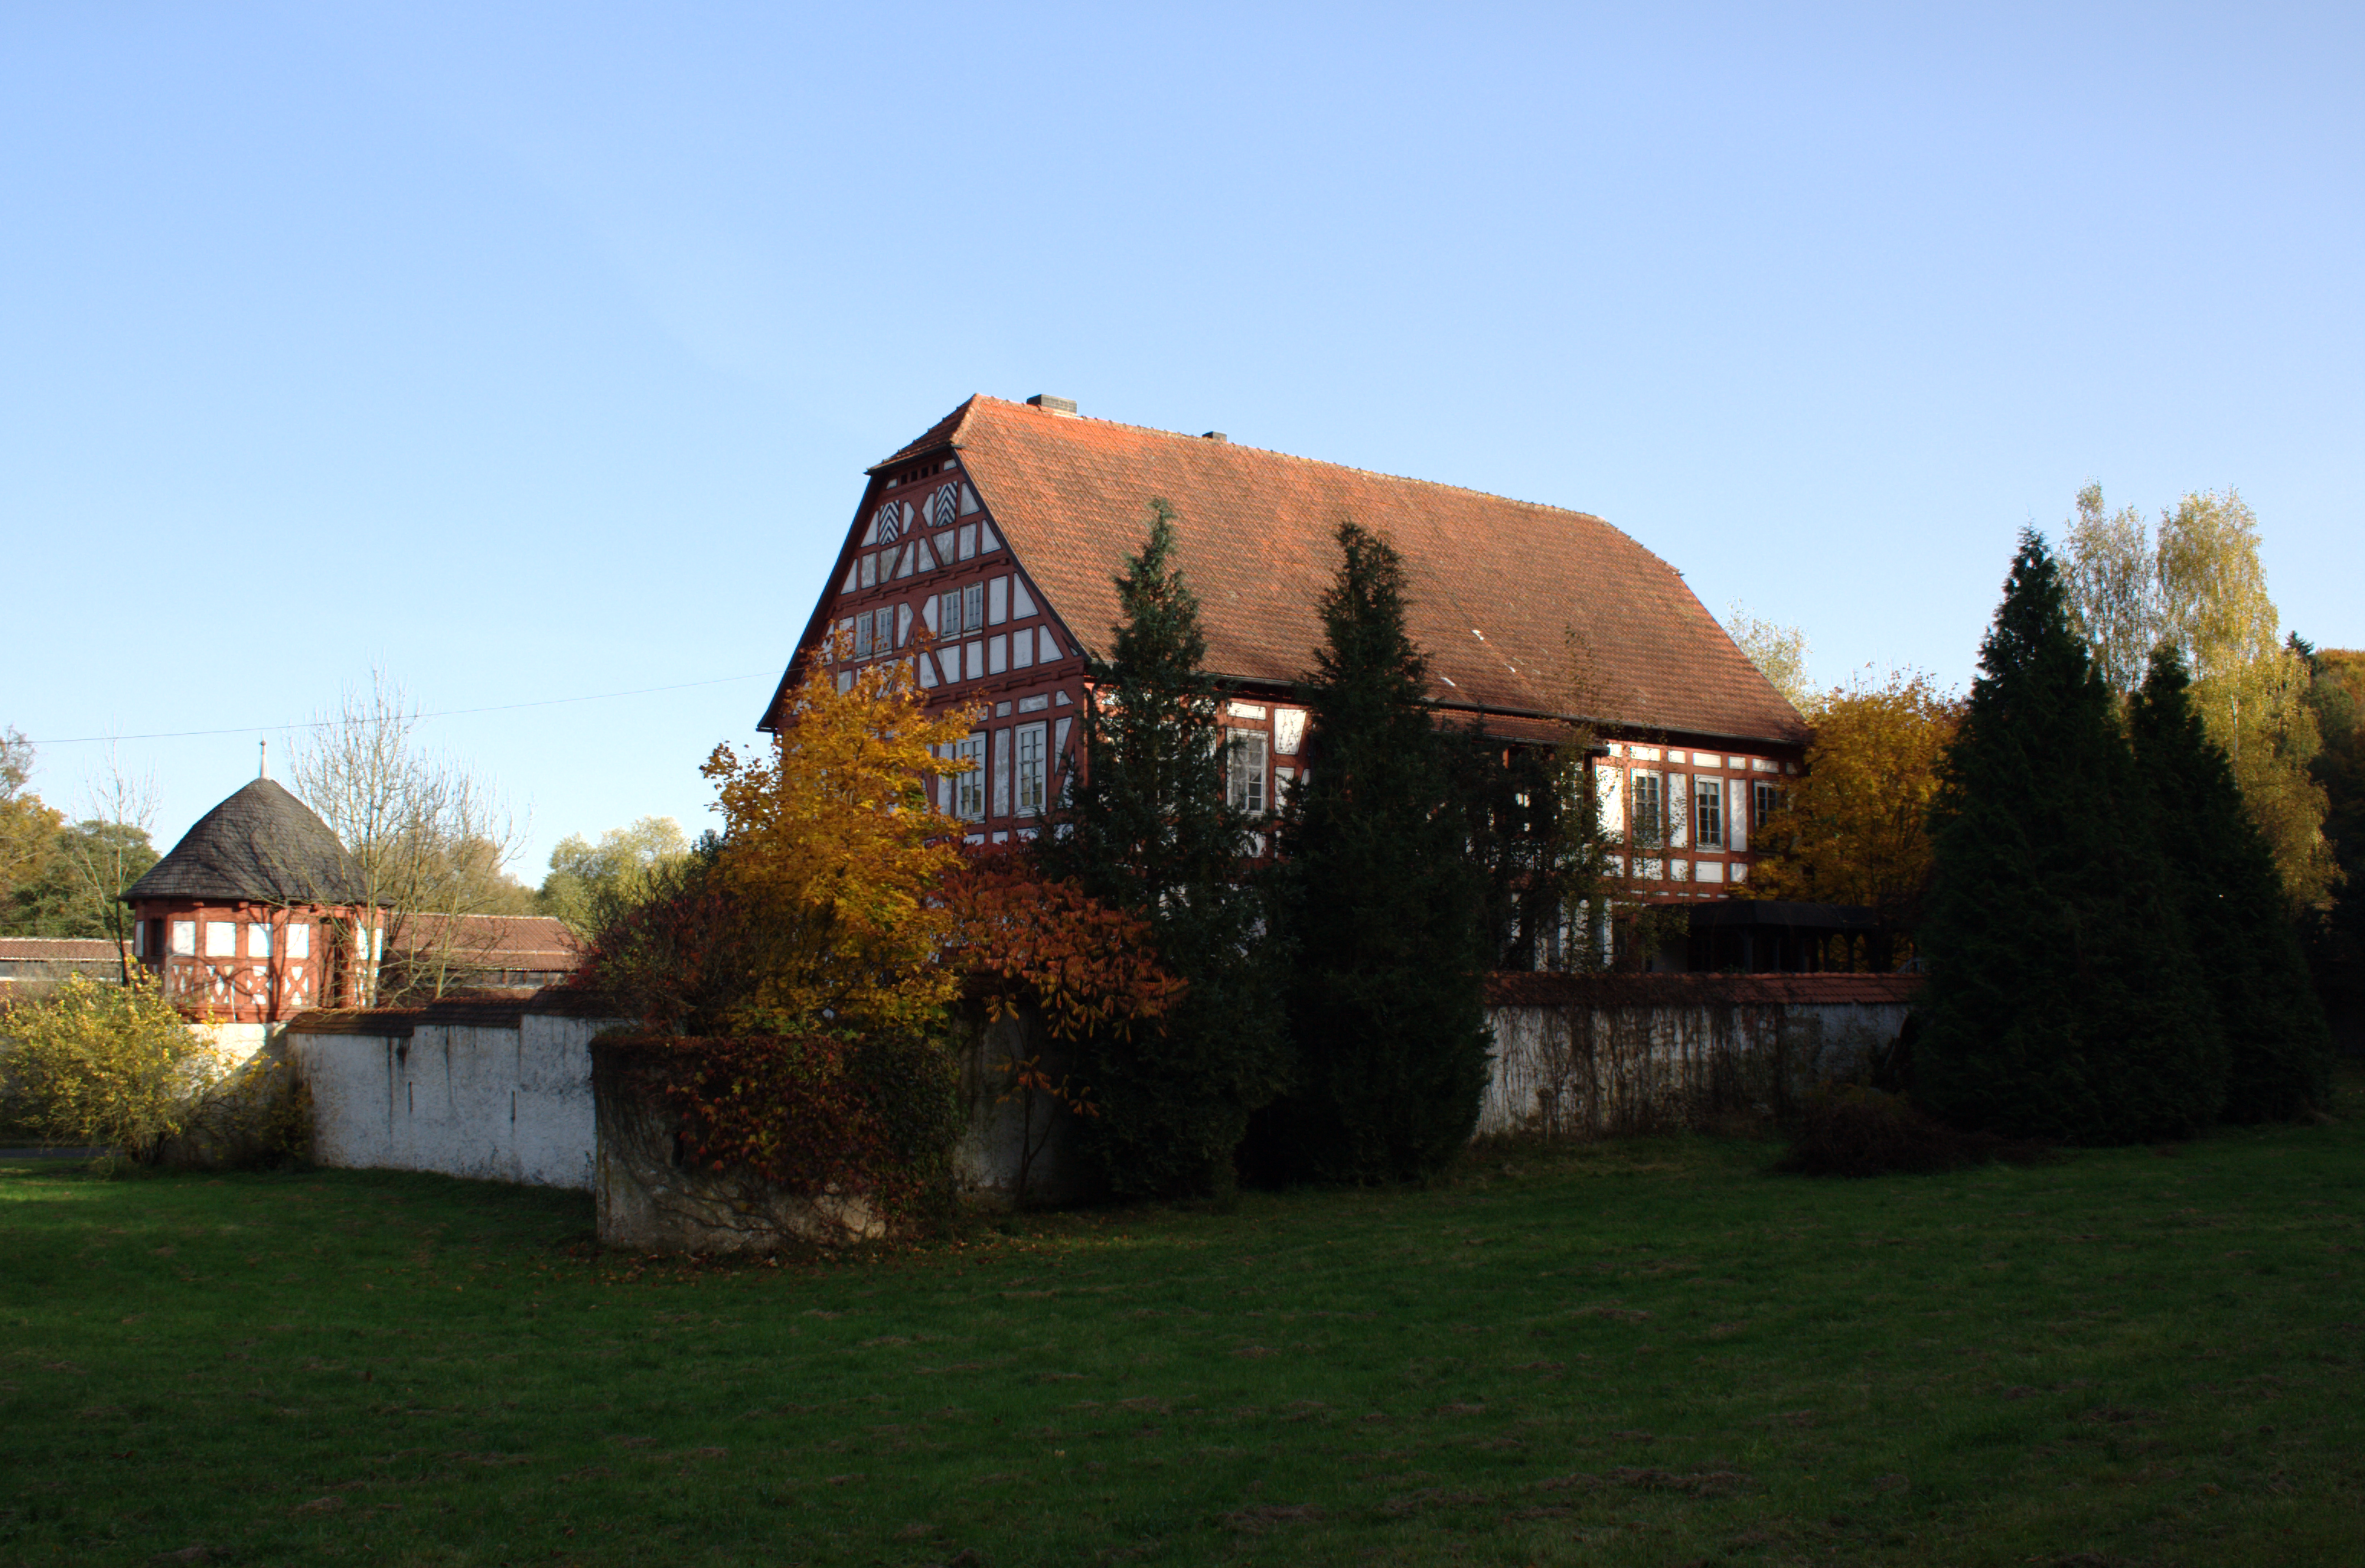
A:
985	553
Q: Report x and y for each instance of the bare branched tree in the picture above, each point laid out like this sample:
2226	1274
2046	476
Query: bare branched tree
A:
430	841
112	849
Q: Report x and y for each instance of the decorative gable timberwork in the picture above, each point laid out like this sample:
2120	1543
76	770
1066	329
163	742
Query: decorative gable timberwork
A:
926	578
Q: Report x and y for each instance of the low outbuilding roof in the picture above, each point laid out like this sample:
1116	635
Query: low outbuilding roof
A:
263	846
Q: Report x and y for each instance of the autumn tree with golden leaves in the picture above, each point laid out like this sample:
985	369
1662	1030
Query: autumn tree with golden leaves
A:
1855	827
836	859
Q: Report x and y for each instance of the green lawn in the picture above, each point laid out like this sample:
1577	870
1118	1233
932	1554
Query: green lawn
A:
1643	1353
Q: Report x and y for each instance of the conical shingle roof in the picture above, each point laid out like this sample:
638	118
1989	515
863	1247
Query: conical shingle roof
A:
262	844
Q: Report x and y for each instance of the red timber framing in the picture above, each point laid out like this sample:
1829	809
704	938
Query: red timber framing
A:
985	553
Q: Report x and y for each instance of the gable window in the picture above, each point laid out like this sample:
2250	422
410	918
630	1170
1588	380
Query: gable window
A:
969	789
862	635
1646	801
1247	770
1707	813
973	608
1030	769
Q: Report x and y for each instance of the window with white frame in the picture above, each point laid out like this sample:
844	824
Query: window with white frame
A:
1708	814
1031	769
221	938
1247	769
1768	802
1646	802
258	940
300	941
185	938
969	789
973	608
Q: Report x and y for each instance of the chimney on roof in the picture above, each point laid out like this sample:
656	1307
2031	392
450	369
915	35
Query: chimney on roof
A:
1213	435
1050	405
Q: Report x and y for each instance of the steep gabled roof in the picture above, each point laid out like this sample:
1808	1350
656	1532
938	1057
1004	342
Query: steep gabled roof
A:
262	844
1496	586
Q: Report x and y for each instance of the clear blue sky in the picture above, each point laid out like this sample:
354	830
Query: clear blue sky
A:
535	353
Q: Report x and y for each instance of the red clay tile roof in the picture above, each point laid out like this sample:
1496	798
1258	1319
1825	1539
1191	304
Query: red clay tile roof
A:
60	950
496	941
1496	585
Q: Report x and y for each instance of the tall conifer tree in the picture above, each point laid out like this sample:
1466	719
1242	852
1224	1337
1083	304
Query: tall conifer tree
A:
2277	1048
2063	1003
1381	904
1149	828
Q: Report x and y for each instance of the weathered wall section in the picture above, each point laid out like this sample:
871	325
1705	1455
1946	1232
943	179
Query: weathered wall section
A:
497	1094
1579	1055
505	1091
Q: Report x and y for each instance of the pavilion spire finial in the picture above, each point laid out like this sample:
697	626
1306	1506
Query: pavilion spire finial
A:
262	757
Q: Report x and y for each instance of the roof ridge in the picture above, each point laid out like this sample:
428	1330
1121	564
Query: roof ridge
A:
1298	457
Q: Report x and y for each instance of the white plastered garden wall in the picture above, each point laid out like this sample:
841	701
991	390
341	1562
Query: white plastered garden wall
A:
495	1103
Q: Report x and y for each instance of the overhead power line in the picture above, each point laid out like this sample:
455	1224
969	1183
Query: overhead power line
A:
441	714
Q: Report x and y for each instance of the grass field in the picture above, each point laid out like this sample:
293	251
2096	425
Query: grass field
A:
1647	1352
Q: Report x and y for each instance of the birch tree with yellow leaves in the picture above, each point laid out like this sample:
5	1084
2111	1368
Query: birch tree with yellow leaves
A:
2197	583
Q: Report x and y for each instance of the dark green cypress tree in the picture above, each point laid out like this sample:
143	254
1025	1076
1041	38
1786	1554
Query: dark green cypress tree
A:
1522	807
2279	1051
1148	827
2063	1003
1381	904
